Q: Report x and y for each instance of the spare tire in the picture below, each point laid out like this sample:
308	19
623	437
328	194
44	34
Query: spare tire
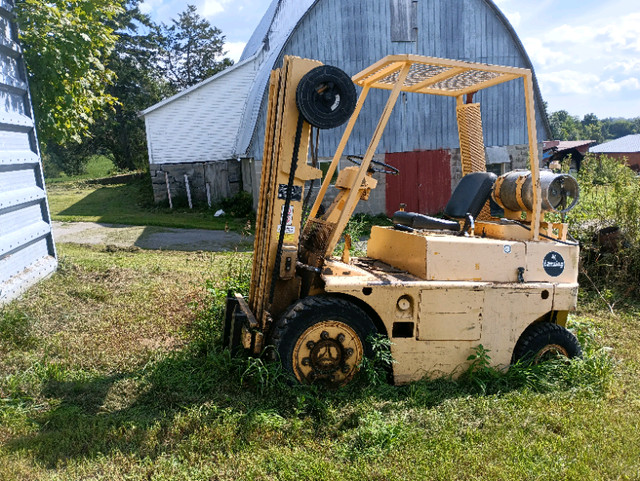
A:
326	97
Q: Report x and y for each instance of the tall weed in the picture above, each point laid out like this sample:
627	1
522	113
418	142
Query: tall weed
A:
609	200
233	274
593	373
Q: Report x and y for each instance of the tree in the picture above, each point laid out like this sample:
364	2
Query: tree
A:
592	128
193	50
139	84
564	126
616	128
66	44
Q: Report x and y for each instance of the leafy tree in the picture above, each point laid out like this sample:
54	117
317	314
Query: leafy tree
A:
564	126
568	127
139	84
592	128
66	44
616	128
193	50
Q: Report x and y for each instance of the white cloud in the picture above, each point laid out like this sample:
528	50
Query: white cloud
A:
234	50
213	7
623	33
514	18
611	35
624	66
148	6
543	55
568	82
610	85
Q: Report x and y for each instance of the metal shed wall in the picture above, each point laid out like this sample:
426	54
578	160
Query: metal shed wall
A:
27	251
353	34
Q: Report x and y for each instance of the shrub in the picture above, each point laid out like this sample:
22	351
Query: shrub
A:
605	221
240	205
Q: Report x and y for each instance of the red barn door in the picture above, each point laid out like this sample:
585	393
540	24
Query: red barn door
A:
424	182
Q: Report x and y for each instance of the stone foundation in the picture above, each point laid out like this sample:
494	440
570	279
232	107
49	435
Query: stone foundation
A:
224	180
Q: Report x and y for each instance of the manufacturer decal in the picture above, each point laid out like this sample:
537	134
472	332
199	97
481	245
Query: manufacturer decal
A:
507	249
553	264
296	192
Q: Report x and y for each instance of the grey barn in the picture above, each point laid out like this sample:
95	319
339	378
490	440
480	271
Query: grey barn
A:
214	132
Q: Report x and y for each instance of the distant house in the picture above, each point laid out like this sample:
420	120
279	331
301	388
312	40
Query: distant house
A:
559	150
627	147
209	131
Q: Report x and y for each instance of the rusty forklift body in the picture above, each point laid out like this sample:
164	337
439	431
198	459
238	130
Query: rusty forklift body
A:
437	288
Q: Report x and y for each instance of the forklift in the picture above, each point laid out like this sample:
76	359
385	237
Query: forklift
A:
492	272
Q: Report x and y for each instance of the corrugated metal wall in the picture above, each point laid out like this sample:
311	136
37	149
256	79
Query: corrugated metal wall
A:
27	252
353	34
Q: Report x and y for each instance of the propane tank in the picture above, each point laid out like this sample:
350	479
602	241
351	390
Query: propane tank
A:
513	191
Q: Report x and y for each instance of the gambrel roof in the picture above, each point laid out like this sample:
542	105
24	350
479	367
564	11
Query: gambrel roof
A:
352	34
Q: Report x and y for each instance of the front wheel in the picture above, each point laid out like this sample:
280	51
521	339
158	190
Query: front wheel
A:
543	341
323	340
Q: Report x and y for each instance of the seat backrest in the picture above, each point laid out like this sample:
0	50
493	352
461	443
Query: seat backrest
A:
470	195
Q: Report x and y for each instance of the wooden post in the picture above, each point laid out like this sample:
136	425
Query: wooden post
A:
166	179
186	184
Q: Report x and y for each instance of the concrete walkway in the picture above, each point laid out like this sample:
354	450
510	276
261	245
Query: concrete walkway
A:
150	237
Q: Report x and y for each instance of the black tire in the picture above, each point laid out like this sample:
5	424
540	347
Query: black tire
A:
544	340
322	340
326	97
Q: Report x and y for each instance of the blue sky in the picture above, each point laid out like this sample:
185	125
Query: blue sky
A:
586	53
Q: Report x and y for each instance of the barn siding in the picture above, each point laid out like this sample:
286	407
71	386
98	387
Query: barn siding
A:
361	34
27	251
203	122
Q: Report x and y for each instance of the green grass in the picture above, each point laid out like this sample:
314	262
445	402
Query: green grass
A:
129	203
99	166
109	370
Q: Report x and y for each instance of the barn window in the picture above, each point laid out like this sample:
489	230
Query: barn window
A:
404	20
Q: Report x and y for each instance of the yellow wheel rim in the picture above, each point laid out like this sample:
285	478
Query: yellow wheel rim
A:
550	351
328	352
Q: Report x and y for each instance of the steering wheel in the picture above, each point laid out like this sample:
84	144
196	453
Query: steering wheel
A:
384	168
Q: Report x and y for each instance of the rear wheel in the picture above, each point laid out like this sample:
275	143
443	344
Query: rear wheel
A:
543	341
323	340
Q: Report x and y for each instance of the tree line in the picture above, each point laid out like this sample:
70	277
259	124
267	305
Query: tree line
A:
569	127
94	64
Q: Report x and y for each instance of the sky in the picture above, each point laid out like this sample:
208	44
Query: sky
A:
586	53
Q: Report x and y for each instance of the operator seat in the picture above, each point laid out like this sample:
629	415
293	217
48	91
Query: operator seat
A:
466	202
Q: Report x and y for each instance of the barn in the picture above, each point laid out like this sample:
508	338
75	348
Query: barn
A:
27	251
221	122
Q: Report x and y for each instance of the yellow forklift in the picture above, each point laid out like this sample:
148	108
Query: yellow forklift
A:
436	287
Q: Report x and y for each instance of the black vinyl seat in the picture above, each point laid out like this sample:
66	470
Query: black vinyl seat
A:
466	202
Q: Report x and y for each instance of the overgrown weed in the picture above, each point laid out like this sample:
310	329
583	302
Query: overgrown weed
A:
605	221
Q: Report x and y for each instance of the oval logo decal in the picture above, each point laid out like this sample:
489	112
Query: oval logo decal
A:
553	264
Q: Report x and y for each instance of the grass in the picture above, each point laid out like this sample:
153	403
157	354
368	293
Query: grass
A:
129	203
110	370
99	166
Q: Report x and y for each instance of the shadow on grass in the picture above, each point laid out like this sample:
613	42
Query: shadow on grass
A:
131	204
213	402
150	411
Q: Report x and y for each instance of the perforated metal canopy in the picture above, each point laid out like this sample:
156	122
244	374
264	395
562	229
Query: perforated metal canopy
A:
436	76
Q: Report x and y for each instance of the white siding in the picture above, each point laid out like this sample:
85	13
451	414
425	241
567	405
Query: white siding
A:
202	124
